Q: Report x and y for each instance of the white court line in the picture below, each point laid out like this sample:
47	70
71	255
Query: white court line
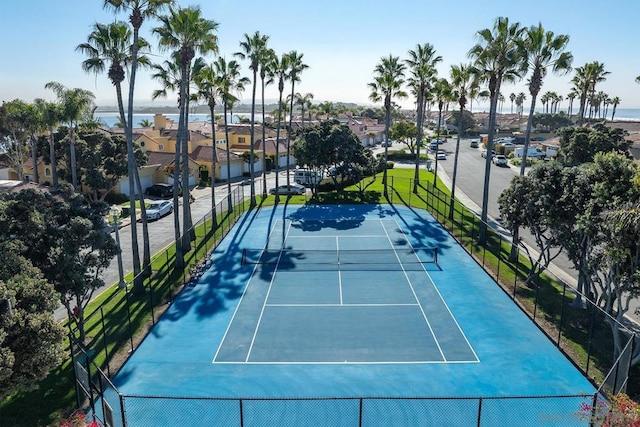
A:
342	305
443	300
266	298
246	287
339	270
404	362
424	315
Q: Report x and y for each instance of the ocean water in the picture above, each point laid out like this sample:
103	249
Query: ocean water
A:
110	118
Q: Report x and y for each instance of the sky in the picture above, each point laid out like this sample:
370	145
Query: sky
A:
341	41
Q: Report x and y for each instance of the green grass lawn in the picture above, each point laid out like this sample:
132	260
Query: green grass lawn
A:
113	317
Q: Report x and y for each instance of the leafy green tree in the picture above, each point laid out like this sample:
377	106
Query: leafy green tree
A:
543	51
407	133
102	161
388	78
530	202
580	145
496	58
30	338
551	122
330	145
14	134
64	237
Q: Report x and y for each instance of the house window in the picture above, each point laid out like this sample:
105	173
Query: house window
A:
160	147
47	172
241	140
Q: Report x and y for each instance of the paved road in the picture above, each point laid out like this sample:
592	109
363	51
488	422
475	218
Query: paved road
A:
161	232
470	186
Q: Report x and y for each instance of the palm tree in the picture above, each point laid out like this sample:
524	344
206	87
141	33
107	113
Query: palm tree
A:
139	10
461	80
422	68
443	92
520	98
387	84
496	59
109	47
512	98
304	101
501	102
185	32
74	104
207	81
296	66
253	48
229	83
265	80
279	71
585	81
51	118
614	101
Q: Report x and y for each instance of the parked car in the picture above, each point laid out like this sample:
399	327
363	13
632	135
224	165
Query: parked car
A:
160	190
441	155
387	143
288	190
474	143
484	153
156	210
433	146
499	160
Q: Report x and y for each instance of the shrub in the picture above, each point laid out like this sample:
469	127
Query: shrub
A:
116	198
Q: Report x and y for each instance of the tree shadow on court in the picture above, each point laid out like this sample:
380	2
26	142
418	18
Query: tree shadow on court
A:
423	229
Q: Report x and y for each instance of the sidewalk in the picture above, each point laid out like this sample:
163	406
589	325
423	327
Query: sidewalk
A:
632	324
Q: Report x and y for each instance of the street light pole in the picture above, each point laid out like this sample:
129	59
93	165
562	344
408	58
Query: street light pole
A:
121	283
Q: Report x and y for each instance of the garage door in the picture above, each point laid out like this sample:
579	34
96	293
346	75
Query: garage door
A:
236	170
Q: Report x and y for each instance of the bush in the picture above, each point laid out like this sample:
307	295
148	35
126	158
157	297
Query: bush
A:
116	198
390	165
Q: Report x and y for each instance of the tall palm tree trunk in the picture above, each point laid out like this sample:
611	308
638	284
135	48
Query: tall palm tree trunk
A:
420	118
226	136
264	152
482	238
435	171
452	200
278	144
184	171
289	131
52	155
72	154
136	21
252	201
387	125
34	158
214	159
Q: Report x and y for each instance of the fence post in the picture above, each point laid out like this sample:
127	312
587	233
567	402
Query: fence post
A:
241	413
360	413
479	411
122	411
104	340
499	258
564	293
126	293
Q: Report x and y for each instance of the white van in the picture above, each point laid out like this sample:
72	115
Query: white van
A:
307	177
531	152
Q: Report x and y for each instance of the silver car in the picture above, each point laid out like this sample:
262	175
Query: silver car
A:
158	209
288	190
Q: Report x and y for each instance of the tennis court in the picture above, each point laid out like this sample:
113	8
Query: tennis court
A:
328	304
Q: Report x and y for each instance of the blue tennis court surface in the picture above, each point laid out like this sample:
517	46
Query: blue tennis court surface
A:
347	301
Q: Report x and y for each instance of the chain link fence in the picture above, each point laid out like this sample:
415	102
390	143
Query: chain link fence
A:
546	300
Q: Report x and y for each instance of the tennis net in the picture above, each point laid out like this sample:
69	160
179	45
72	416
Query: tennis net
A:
371	259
